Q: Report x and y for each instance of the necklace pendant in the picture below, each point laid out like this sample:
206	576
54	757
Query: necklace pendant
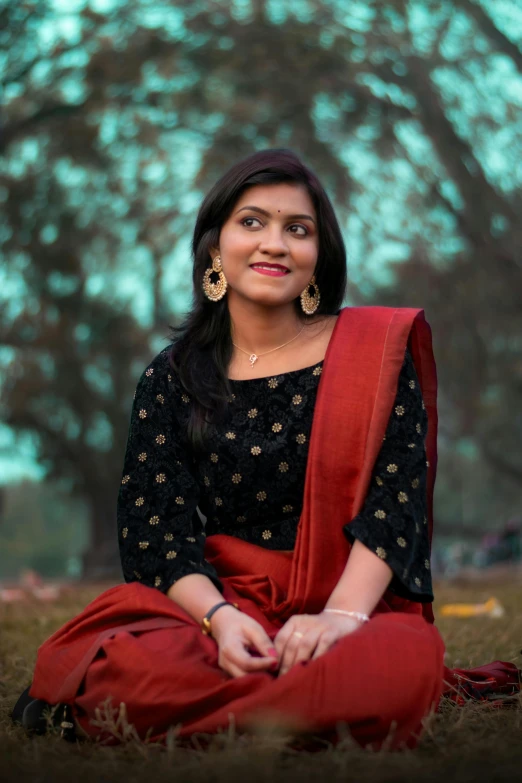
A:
253	359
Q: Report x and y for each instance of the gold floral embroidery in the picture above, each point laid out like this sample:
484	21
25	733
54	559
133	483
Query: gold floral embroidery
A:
411	384
206	481
411	445
143	413
418	428
218	501
157	581
144	544
169	376
255	450
392	468
185	398
417	581
169	537
261	495
154	520
427	463
171	555
283	467
252	413
191	539
297	399
161	478
288	508
241	519
380	552
160	398
277	427
402	497
379	481
137	575
272	382
125	479
125	532
160	440
317	371
415	483
180	501
139	501
230	435
427	565
149	372
399	410
236	478
380	514
425	520
423	406
301	438
214	457
401	541
143	456
267	534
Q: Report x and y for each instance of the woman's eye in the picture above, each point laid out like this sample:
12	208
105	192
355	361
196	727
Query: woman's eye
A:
294	225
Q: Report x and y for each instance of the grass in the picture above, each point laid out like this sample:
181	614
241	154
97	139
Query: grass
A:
460	743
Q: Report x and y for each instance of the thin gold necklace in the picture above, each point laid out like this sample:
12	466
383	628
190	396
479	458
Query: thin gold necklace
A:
253	357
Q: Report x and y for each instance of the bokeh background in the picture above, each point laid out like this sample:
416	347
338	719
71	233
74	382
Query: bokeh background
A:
118	115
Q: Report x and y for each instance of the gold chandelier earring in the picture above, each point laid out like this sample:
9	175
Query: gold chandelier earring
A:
215	291
310	300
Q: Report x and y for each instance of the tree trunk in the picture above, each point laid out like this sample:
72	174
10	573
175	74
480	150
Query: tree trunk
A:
101	559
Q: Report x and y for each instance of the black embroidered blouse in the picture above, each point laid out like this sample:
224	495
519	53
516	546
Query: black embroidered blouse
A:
250	482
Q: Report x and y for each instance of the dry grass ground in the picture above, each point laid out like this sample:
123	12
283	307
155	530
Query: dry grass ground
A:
459	744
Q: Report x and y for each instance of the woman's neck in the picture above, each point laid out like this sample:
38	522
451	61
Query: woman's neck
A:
258	329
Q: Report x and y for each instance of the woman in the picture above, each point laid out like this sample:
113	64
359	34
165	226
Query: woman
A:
276	495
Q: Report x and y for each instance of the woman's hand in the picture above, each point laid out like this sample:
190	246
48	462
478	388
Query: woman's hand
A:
307	636
244	646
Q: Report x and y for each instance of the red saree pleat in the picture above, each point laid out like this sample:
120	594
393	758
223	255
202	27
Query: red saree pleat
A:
135	645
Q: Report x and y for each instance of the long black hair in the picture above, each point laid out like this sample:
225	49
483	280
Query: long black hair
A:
202	347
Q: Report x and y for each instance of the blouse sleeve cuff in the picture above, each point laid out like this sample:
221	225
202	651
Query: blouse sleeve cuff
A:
411	575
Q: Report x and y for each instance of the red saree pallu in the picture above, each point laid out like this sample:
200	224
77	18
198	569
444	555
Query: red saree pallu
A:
133	645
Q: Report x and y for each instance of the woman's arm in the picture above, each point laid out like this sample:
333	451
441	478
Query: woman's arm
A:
362	583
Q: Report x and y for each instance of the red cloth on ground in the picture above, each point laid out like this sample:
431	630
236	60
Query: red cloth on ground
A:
136	646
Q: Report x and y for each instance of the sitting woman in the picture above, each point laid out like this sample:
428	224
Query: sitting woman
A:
275	512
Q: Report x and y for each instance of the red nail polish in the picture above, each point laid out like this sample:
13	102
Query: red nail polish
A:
273	651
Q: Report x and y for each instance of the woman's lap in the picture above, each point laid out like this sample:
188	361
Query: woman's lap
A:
388	673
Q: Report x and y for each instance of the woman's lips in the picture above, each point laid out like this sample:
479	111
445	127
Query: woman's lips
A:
274	272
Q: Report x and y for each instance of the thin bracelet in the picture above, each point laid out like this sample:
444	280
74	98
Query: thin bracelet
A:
359	616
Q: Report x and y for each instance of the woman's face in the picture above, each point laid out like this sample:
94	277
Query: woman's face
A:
269	224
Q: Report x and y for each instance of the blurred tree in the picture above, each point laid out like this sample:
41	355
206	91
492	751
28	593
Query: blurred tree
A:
119	114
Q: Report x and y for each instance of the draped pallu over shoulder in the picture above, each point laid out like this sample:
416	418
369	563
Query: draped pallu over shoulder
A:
354	402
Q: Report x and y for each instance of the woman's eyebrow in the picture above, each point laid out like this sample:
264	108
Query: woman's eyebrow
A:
267	214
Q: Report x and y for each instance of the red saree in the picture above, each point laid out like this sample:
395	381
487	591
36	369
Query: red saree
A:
134	645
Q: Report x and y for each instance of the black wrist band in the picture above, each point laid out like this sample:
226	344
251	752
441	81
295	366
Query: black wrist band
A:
205	623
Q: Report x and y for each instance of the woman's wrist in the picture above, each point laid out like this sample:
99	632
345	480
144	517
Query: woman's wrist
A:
359	617
222	618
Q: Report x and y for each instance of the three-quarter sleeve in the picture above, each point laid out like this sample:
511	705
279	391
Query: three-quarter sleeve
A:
393	521
160	534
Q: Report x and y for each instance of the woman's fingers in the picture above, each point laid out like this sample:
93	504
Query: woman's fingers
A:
262	642
237	655
323	645
299	648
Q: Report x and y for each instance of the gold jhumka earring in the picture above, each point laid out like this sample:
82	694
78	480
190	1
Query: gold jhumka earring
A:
310	302
215	291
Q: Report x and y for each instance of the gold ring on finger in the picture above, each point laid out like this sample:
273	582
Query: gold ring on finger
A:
298	633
